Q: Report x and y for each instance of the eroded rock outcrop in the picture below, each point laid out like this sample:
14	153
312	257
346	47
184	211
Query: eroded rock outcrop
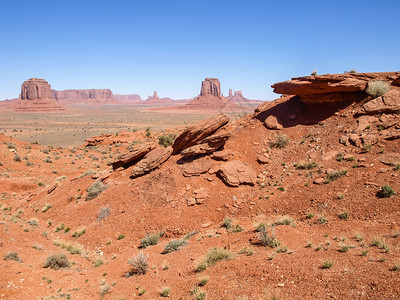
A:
36	97
133	155
151	161
388	103
197	167
208	145
333	87
235	173
84	96
210	86
197	132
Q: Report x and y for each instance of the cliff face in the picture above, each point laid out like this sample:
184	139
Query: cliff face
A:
35	88
134	98
210	86
86	96
36	97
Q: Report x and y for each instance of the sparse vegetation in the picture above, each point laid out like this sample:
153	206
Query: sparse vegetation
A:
305	166
149	240
212	257
284	220
139	264
344	215
166	140
57	261
175	245
377	88
12	256
46	207
227	223
165	292
327	264
385	192
104	213
279	141
120	237
266	239
95	189
335	175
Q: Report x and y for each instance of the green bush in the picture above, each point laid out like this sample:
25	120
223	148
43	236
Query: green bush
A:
377	88
166	140
385	192
335	175
212	257
306	166
149	240
175	245
95	189
12	256
268	240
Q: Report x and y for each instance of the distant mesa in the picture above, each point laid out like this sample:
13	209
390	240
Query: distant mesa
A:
84	96
210	97
36	97
127	99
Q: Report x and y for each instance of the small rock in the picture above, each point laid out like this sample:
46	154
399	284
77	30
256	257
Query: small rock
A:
319	181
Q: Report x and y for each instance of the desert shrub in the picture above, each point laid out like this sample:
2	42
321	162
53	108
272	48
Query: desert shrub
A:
139	264
261	227
306	166
88	172
397	167
175	245
284	220
279	141
104	213
165	292
12	256
227	223
268	240
344	215
212	257
57	261
198	293
95	189
79	233
120	237
331	176
148	133
377	88
149	240
17	157
166	140
327	264
385	192
237	228
97	262
10	146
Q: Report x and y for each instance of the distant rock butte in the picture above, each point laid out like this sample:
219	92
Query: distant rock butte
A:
84	96
333	87
210	86
238	98
157	100
210	97
133	98
36	97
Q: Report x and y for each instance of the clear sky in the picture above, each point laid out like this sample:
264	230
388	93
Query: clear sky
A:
136	47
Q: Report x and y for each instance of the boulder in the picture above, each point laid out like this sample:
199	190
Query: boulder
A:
137	152
222	155
208	145
235	173
197	167
272	123
151	161
210	86
391	159
388	103
263	159
197	132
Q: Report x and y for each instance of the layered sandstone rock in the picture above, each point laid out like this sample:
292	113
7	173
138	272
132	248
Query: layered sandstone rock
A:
35	88
151	161
333	87
36	97
155	100
197	132
388	103
208	145
210	86
238	98
84	96
133	155
133	98
235	173
197	167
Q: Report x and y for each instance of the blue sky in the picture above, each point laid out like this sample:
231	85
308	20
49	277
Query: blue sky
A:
136	47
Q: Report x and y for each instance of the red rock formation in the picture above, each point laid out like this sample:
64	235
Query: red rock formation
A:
134	98
36	97
155	100
333	87
151	161
133	155
198	132
238	98
210	86
235	173
35	88
88	96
